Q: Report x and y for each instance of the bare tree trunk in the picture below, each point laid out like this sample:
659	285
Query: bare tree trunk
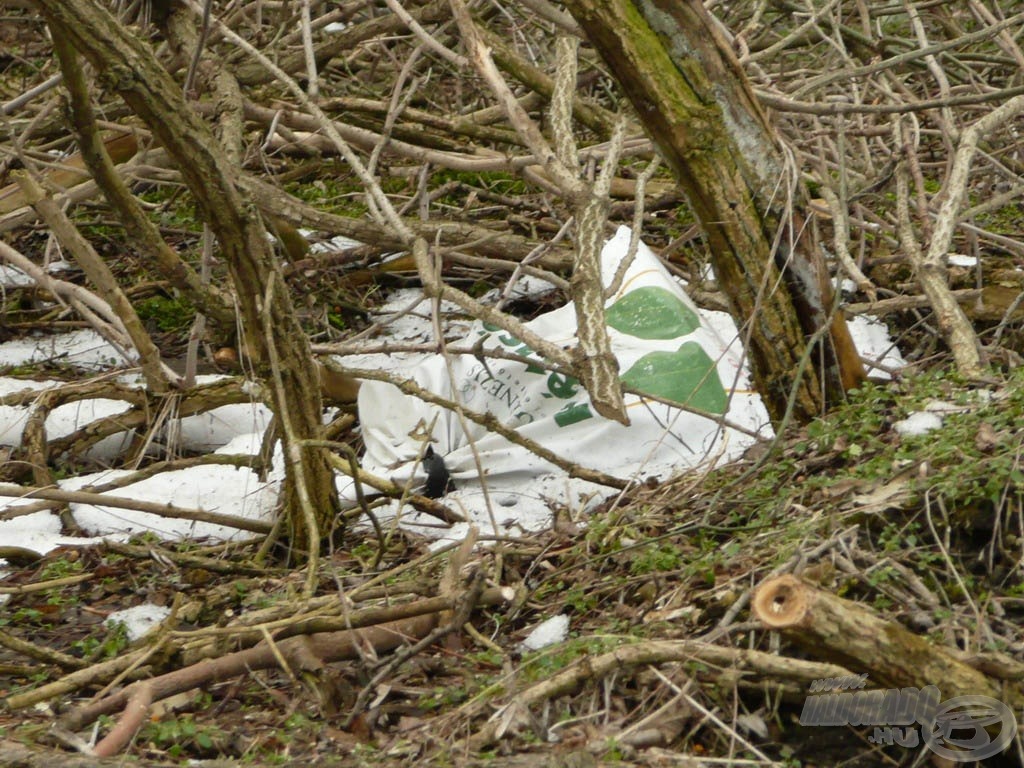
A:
127	65
687	87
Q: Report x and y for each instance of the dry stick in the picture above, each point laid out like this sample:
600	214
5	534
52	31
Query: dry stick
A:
1004	39
795	34
18	102
187	560
25	215
294	456
524	266
158	376
840	214
140	701
435	288
840	539
396	106
903	303
525	127
488	421
479	160
417	620
956	184
786	104
435	316
947	123
694	704
144	233
37	652
385	210
478	352
423	504
33	440
555	15
37	452
135	714
1011	244
635	229
120	502
596	118
42	586
425	37
305	127
833	627
500	245
332	614
841	242
197	53
353	465
67	173
227	99
70	392
201	399
463	598
73	682
913	168
1004	321
313	88
517	268
593	668
370	183
895	62
90	306
593	358
953	322
993	203
450	126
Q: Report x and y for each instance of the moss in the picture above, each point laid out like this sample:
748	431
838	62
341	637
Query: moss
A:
166	313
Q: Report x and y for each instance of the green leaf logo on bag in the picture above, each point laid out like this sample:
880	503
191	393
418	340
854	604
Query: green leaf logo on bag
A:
686	376
651	313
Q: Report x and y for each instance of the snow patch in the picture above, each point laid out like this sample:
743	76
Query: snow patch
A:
139	619
873	342
918	423
554	630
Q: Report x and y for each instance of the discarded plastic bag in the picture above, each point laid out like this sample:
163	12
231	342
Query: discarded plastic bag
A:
665	346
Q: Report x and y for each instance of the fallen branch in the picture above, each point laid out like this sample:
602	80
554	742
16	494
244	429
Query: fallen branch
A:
121	502
594	668
298	652
851	634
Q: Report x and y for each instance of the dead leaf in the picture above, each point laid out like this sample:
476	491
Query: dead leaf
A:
884	496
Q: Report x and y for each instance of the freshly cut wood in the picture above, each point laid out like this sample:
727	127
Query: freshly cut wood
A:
842	631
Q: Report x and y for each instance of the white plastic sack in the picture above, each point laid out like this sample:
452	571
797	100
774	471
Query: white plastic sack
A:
664	345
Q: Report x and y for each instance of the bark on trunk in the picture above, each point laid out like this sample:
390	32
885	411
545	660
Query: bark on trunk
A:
689	91
126	64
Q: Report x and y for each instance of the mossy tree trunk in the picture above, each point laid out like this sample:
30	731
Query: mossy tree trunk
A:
693	98
126	65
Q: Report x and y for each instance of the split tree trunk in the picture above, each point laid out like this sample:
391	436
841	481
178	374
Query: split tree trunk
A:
127	65
682	78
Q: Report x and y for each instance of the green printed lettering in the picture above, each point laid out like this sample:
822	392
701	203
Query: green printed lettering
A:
562	386
572	413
